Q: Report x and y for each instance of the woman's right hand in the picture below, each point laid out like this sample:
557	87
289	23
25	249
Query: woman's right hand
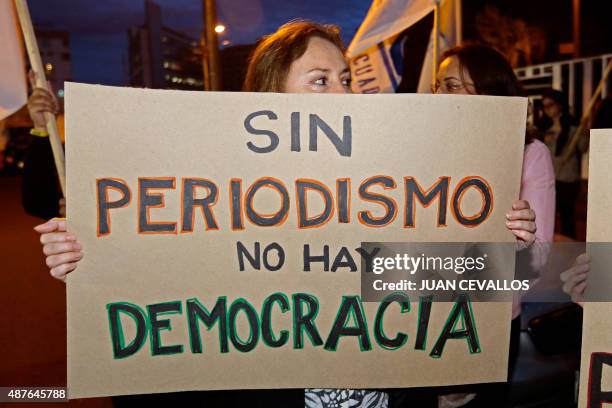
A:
60	247
575	278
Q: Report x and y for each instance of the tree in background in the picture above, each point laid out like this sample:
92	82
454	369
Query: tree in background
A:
521	43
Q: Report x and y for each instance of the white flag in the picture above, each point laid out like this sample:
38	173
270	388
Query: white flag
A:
449	37
13	87
376	70
385	19
376	53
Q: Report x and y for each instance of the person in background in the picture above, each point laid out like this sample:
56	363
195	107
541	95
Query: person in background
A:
481	70
300	57
40	191
558	127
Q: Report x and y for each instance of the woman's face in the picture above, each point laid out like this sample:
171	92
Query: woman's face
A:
448	80
551	108
322	69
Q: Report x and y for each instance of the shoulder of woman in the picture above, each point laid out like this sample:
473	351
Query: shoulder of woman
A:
536	148
537	154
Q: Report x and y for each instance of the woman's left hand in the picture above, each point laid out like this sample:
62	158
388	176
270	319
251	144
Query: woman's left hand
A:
521	221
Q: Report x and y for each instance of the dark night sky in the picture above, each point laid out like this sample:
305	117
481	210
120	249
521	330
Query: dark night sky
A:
98	29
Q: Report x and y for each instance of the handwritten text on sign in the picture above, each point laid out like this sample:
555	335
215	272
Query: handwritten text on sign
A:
227	229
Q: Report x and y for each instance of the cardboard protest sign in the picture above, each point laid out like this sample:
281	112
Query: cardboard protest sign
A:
222	235
596	360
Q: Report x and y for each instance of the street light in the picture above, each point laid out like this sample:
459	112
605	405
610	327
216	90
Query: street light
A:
219	28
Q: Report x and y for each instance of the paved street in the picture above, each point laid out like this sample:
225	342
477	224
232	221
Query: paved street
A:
33	324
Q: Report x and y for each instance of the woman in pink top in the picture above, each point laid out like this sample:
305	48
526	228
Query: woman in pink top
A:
480	70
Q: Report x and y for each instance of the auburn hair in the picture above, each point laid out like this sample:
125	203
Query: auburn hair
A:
270	62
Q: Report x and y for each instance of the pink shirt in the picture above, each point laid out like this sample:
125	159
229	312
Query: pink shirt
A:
538	188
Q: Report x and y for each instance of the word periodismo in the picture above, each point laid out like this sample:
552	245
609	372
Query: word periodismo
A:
201	195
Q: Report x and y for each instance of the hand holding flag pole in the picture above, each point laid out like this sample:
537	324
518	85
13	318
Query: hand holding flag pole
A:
41	82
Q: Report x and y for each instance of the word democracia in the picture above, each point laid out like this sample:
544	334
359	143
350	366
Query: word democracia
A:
200	196
351	323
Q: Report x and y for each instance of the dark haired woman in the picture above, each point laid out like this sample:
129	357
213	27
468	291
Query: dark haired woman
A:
557	125
481	70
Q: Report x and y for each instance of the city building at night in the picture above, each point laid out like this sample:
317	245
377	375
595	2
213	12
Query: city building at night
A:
54	49
160	57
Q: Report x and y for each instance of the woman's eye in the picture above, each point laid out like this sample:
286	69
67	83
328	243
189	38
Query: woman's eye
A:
347	82
321	81
452	86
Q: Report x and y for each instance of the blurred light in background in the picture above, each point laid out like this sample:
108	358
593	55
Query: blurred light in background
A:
219	28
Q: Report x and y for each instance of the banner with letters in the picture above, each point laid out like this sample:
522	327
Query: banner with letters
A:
222	237
596	361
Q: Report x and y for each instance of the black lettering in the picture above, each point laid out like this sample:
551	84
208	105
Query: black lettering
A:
461	312
196	313
305	321
146	200
254	260
189	202
266	320
425	303
104	205
316	258
163	324
487	202
438	190
251	315
120	349
379	334
390	206
302	187
351	305
273	136
267	220
344	259
343	145
596	396
280	253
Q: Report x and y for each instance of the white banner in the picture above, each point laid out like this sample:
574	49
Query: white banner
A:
13	88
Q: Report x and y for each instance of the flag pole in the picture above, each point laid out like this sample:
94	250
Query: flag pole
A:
41	82
436	43
212	49
458	23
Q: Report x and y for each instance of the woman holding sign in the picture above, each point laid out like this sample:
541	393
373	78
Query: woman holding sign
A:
480	70
300	57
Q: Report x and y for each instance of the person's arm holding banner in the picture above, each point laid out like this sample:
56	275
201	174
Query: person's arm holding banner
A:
60	247
41	195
